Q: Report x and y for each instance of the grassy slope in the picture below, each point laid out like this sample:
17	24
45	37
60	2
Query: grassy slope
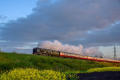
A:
9	61
104	69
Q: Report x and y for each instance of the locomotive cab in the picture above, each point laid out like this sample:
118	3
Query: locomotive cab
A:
36	50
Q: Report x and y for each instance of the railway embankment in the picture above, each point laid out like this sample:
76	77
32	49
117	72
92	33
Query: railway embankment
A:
11	61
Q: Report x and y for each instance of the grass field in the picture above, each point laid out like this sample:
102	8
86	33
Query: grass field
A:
10	61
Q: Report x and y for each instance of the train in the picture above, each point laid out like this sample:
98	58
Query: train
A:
50	52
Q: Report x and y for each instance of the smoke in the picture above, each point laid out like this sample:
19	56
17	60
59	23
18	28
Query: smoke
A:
56	45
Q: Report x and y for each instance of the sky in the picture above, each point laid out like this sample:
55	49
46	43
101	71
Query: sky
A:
21	8
92	23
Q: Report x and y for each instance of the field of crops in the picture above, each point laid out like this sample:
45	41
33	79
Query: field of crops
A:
34	67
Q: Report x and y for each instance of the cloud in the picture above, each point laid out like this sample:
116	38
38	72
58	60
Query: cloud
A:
68	21
63	20
56	45
107	36
21	47
2	18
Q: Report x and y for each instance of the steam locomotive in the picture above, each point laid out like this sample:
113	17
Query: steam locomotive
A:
49	52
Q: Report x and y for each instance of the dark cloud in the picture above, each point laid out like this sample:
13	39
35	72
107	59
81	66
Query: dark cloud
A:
107	36
65	20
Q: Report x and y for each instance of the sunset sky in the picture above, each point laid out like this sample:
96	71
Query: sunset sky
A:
92	23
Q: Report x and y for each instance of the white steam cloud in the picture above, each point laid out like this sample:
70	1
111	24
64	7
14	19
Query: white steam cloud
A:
56	45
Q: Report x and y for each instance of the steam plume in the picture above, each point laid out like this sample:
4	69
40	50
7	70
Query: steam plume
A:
56	45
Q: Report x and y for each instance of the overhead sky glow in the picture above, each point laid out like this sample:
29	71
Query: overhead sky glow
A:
91	23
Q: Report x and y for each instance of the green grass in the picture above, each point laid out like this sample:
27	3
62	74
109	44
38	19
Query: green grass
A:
70	67
104	69
10	61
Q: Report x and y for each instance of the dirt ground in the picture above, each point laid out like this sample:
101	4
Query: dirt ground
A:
99	76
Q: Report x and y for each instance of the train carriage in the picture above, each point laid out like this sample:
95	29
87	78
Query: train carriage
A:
49	52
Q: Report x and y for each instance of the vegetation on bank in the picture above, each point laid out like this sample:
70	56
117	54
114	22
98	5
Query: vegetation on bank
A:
32	74
104	69
11	62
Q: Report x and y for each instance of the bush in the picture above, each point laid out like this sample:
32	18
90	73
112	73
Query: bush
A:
32	74
104	69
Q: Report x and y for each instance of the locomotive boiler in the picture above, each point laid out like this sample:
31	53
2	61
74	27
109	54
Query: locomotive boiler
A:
46	52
